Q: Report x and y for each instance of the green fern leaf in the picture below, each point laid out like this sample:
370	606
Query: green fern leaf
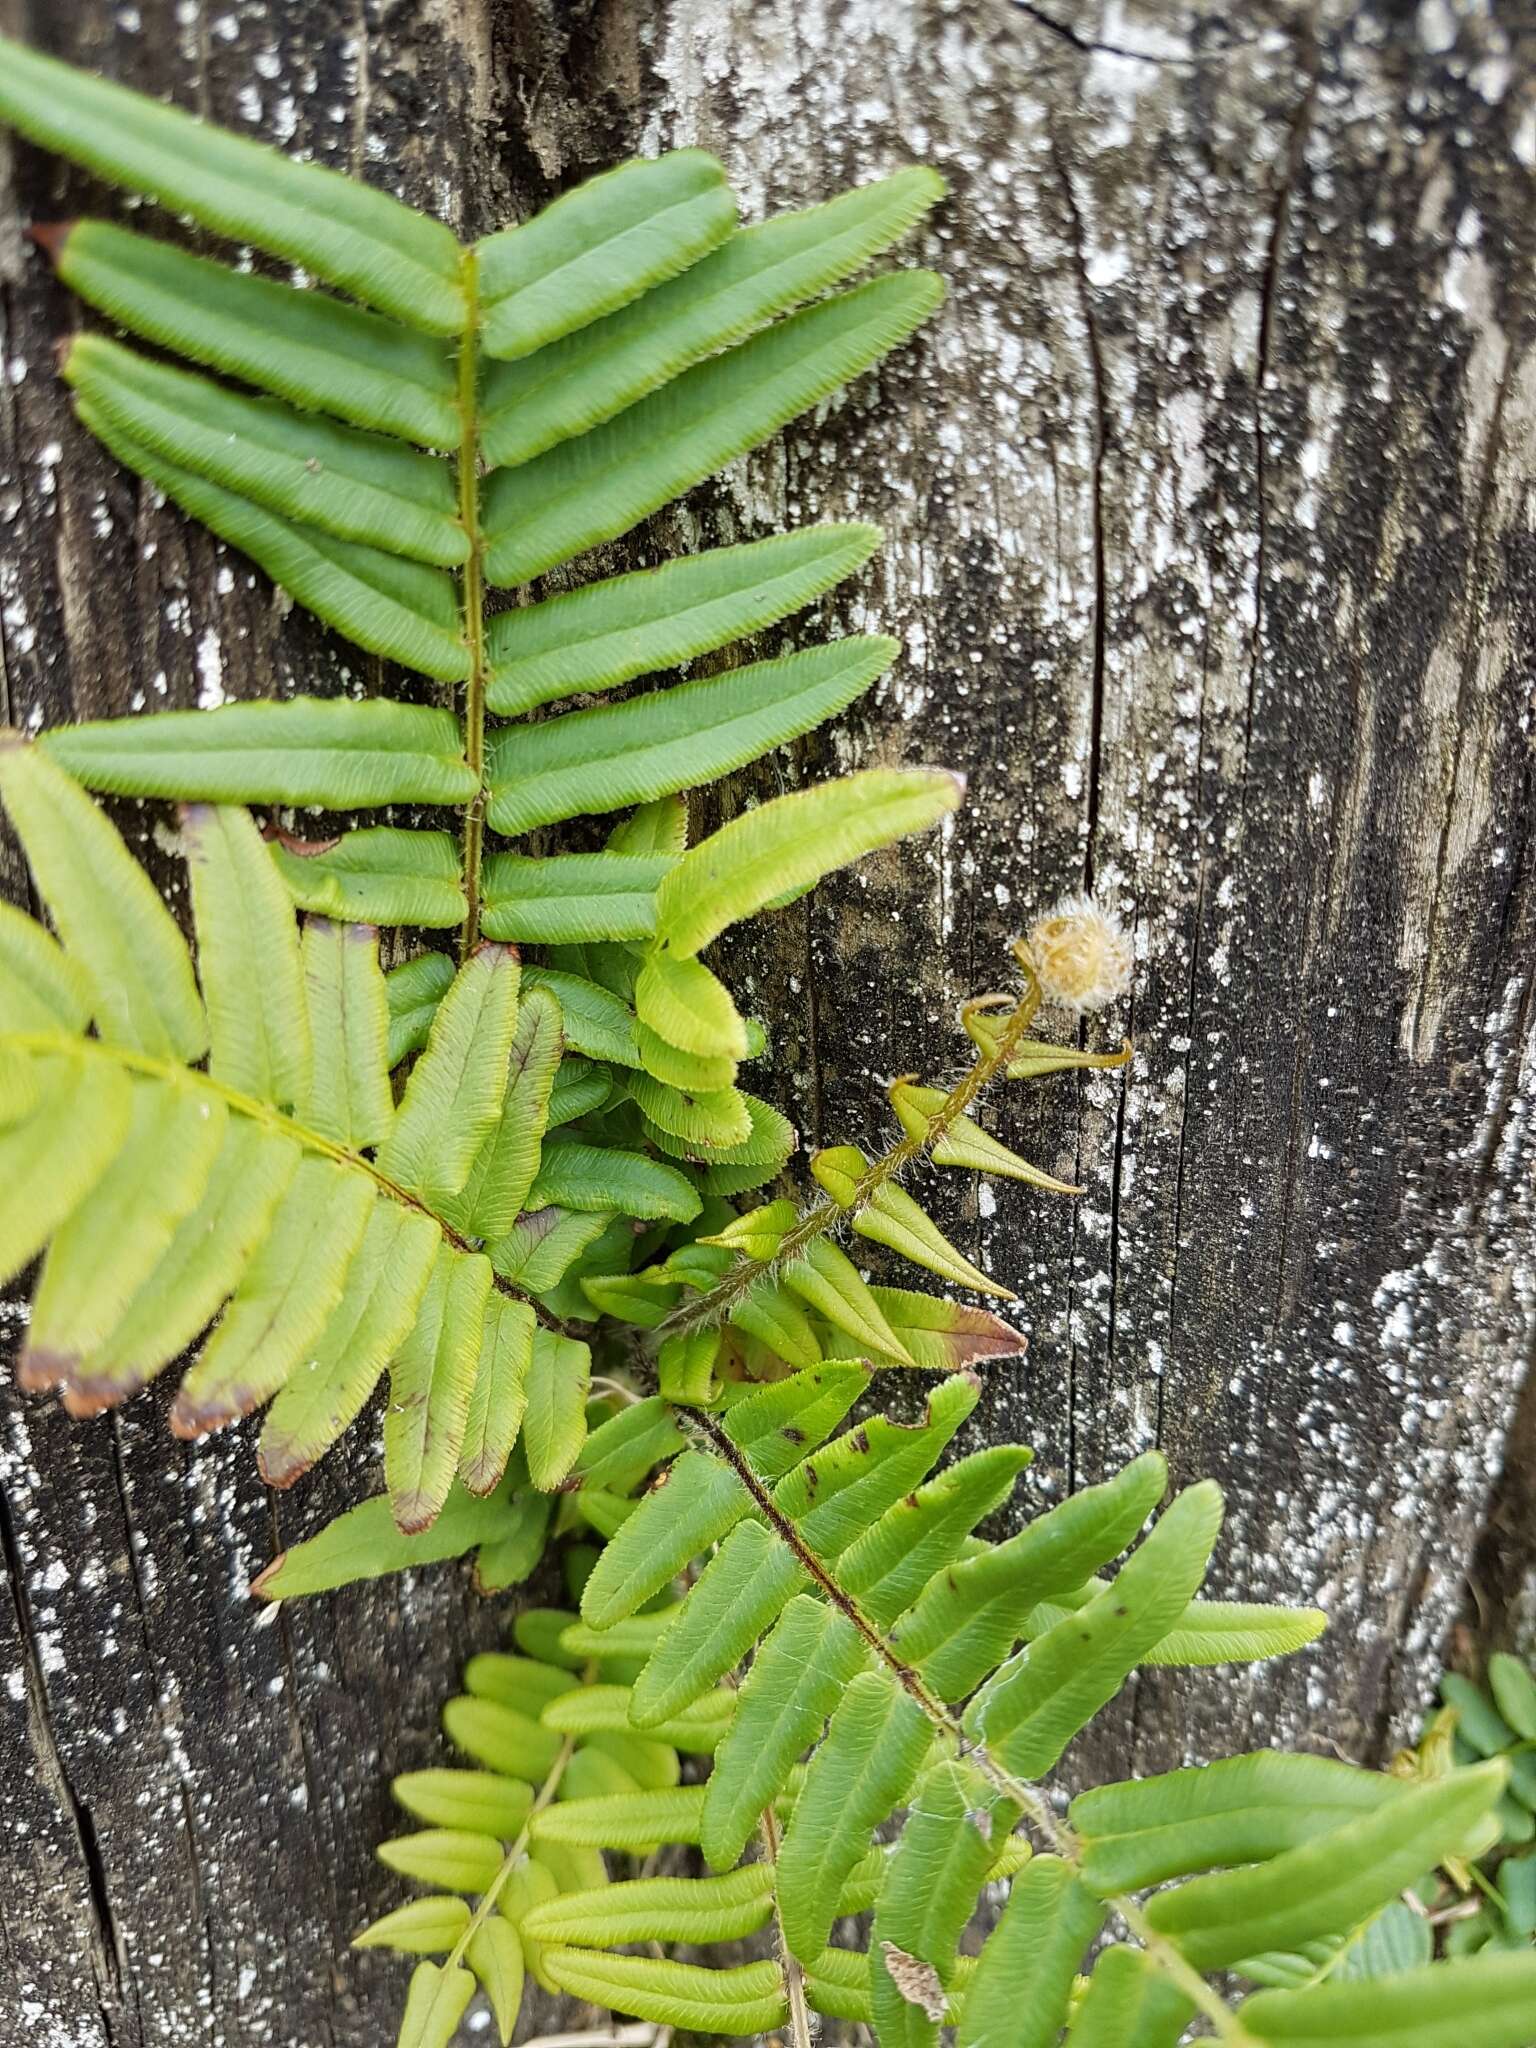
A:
352	486
578	383
424	1927
497	1185
431	1383
42	988
554	1421
413	992
746	2000
965	1143
500	1394
791	843
621	1452
1030	1710
626	1820
827	1280
200	1270
594	1020
248	958
1023	1984
1245	1809
108	1248
113	925
579	1088
314	350
598	247
875	1746
495	1954
500	1738
364	1543
702	1499
619	754
452	1102
348	1098
940	1863
481	1801
437	2000
1226	1632
670	1909
886	1568
346	232
405	611
285	1297
574	1175
944	1336
779	1323
1330	1883
572	897
683	1003
597	486
603	1709
1487	2002
316	750
796	1679
384	1286
892	1218
543	1245
964	1623
653	619
379	875
702	1122
1128	2004
746	1584
856	1478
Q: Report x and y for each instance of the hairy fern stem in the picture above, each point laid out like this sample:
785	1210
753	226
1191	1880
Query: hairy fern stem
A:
794	1977
705	1310
472	600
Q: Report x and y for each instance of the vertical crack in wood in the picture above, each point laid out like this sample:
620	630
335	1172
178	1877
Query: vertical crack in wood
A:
1476	610
1310	57
1100	442
109	1963
1099	389
1502	1573
1310	61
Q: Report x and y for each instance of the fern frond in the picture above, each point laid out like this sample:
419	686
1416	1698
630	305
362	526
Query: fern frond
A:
821	1558
555	381
329	1244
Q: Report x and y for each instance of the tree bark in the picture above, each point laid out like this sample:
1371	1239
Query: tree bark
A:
1209	537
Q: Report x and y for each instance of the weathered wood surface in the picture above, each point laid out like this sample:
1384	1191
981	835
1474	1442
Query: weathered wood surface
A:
1210	538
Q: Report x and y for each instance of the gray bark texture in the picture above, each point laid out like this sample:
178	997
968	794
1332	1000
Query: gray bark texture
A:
1209	514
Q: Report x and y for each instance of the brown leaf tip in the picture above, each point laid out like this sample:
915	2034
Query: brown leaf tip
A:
51	235
38	1370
